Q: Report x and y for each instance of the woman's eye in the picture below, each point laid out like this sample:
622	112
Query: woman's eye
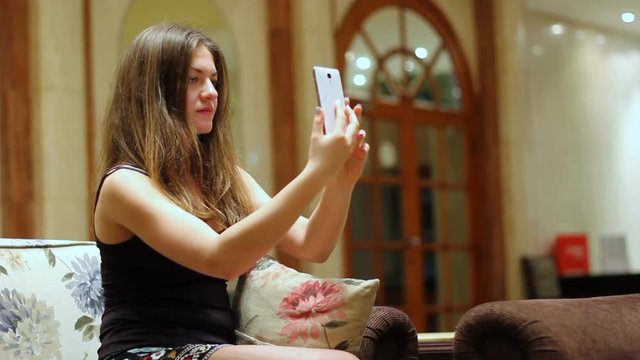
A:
193	79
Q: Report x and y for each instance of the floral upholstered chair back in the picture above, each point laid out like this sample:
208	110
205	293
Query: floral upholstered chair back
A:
51	299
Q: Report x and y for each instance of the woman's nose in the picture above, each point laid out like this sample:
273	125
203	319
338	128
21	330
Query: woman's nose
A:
209	90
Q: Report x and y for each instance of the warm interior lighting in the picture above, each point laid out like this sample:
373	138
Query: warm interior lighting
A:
359	79
409	66
363	62
628	17
421	53
557	29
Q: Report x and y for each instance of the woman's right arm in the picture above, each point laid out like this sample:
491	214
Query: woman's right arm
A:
132	201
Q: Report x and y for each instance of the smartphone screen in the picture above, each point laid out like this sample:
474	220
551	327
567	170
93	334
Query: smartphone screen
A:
328	90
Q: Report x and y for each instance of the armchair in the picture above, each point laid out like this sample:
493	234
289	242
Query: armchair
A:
599	328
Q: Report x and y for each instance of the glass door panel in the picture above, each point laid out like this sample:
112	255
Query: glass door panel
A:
425	96
387	142
386	89
460	278
431	218
393	284
432	278
391	212
427	152
422	39
362	211
448	89
414	70
455	156
360	63
364	264
386	18
457	222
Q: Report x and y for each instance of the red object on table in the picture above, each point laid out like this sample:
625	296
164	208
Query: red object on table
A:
572	254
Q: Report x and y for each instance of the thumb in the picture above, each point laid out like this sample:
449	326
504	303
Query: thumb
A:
318	122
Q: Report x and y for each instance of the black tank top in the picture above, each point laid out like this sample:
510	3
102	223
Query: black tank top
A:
152	301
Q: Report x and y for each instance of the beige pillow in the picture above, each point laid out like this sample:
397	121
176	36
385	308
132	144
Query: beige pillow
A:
280	306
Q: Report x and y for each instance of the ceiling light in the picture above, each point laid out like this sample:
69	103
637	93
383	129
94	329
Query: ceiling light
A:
628	17
359	79
363	62
557	29
409	66
421	53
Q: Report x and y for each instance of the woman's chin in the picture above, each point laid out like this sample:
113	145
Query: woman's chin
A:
204	126
204	130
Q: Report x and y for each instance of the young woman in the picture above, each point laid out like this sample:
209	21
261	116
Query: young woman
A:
176	217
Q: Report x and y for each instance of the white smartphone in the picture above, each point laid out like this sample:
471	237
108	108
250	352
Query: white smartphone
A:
328	90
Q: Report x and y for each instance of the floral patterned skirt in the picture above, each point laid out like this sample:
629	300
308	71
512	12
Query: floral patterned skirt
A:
186	352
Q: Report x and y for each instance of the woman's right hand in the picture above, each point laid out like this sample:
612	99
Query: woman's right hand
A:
328	152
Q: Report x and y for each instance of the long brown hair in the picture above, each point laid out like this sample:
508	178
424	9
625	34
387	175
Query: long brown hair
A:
146	126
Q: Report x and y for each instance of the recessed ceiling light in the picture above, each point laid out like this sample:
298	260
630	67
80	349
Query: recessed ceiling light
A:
557	29
628	17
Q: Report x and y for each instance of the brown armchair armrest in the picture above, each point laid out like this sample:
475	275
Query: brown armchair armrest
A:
390	334
560	329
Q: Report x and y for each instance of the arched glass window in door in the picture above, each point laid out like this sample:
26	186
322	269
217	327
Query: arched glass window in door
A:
410	219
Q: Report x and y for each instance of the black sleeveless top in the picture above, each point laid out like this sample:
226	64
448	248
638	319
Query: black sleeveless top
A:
152	301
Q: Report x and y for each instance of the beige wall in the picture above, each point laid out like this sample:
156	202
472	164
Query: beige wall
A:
568	107
583	96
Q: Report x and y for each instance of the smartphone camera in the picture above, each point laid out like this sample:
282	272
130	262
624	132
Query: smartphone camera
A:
329	76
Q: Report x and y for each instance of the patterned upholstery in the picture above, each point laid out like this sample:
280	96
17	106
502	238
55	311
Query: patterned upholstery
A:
50	299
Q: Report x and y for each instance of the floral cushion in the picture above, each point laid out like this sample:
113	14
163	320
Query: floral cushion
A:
50	299
280	306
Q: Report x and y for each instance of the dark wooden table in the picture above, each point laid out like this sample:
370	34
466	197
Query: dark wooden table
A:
599	285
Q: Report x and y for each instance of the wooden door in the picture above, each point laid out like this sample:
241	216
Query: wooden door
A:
410	223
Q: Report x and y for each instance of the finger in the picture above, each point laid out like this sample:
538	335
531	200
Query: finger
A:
318	122
352	131
362	151
341	118
352	116
358	110
365	148
361	135
347	101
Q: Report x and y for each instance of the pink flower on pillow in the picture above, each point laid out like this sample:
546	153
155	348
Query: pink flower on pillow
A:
309	307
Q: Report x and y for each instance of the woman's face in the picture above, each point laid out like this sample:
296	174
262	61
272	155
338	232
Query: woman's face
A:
202	96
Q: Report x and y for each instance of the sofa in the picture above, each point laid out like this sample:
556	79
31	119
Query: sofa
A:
598	328
51	305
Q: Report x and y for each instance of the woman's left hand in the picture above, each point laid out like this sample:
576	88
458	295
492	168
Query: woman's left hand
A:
353	167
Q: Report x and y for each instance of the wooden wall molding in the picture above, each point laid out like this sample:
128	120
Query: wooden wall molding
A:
283	99
16	119
491	255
